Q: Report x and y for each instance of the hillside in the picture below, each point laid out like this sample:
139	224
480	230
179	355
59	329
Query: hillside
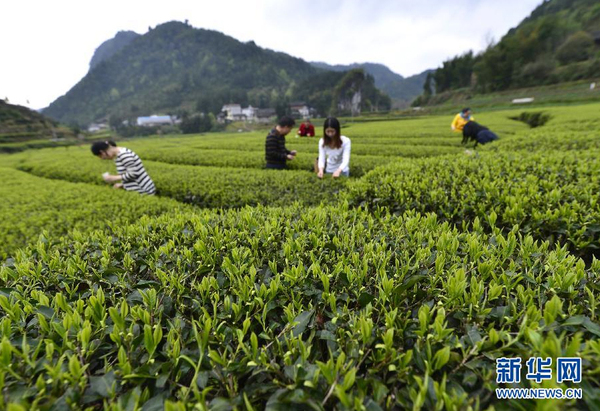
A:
18	124
176	67
401	89
559	42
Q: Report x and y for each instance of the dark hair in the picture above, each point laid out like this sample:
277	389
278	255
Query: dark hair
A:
464	110
286	121
336	141
99	146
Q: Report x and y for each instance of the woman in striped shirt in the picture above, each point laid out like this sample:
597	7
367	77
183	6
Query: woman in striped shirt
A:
131	174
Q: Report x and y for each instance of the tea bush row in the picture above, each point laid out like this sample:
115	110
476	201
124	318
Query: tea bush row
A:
31	205
552	196
251	159
212	187
303	146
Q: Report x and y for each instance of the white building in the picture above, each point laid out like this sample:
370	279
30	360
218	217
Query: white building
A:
250	113
234	111
95	127
154	120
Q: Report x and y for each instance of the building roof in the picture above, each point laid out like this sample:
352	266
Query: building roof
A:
154	119
265	112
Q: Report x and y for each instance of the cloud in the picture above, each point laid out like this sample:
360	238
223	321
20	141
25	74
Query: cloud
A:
50	44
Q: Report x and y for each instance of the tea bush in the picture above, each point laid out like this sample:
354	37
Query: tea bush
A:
552	196
31	205
324	308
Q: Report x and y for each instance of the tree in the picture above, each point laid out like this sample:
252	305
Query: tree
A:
427	90
196	124
578	47
455	73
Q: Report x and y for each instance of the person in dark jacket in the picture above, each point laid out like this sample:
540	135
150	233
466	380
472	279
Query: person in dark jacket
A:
476	132
275	152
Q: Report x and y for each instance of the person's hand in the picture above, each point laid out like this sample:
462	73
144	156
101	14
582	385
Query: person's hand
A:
290	156
107	177
118	185
293	152
320	173
337	173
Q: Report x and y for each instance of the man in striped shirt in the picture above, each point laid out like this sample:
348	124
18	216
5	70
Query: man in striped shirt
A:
131	174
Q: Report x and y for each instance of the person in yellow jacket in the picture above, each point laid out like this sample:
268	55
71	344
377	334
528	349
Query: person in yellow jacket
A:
461	119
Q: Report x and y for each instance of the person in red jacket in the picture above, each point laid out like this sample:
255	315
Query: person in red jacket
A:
306	129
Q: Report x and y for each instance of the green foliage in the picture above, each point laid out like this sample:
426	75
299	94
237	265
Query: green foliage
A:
328	308
454	73
578	47
196	124
31	205
537	72
550	196
32	144
533	119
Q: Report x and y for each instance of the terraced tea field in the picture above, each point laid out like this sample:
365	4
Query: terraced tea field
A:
243	288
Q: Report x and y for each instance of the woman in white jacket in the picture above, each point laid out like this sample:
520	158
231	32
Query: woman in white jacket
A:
334	150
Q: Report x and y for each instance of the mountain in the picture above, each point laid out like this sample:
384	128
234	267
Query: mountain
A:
175	68
18	123
110	47
558	42
401	89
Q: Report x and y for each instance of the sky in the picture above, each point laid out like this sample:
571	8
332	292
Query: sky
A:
47	45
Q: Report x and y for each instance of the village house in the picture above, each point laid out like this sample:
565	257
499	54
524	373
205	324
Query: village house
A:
250	113
299	109
233	112
96	127
266	115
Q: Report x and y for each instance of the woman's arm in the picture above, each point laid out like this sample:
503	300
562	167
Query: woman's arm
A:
345	157
321	155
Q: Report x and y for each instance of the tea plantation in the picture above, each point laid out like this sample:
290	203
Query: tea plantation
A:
243	288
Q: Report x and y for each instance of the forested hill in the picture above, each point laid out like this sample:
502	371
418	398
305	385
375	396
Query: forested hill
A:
401	89
559	41
177	67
